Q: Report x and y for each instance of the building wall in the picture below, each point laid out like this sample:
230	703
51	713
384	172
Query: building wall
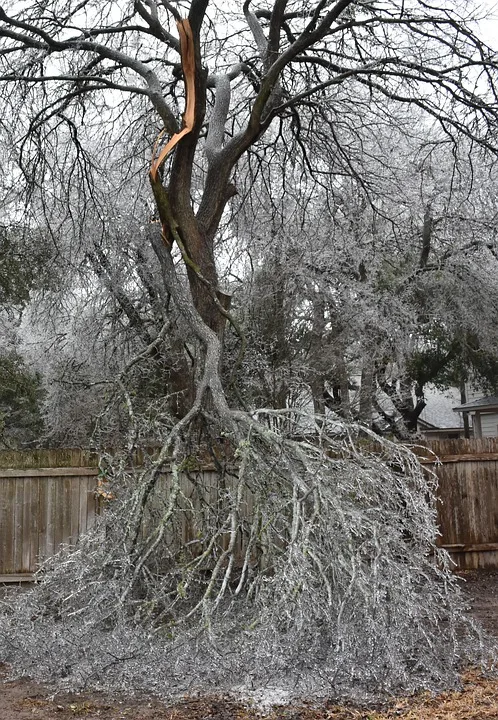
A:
489	424
441	433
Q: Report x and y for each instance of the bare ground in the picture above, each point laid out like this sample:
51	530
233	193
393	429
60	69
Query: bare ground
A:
477	700
481	589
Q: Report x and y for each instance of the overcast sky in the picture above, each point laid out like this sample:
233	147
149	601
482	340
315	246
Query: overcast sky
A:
489	27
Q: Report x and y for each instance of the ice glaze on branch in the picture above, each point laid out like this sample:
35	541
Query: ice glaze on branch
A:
155	26
256	29
218	118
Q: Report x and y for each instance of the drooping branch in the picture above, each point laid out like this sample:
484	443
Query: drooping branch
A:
171	232
184	302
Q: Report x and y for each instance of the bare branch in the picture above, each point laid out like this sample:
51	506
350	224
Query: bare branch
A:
214	140
78	45
256	29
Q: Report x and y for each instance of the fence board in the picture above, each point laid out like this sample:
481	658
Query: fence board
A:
43	458
18	526
7	526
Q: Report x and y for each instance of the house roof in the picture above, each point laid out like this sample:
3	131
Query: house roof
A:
485	403
430	427
438	413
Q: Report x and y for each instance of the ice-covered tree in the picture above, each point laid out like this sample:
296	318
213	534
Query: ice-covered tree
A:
311	564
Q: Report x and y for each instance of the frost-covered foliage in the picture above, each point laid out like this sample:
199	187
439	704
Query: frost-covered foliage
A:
307	567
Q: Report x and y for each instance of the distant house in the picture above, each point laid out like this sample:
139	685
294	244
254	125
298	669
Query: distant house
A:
483	414
440	433
438	420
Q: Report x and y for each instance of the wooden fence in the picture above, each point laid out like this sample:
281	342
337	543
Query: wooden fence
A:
48	498
467	472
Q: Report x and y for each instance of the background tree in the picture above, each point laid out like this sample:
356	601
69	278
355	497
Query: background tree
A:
377	286
21	395
26	267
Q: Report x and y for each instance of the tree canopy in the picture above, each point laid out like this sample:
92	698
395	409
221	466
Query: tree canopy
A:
207	100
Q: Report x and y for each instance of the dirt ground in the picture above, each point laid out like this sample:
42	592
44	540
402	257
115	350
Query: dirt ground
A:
481	589
478	699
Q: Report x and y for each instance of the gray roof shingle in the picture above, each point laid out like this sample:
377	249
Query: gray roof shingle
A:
485	403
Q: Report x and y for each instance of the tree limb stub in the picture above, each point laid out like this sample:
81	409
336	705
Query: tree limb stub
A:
188	66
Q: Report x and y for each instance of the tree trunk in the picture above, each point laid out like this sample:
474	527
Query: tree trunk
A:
366	392
463	400
317	375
